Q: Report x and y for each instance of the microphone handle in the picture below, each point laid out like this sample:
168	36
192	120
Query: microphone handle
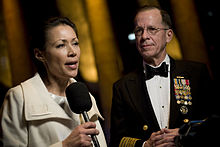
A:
94	138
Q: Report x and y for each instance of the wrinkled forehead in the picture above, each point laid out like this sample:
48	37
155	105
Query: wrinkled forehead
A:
147	18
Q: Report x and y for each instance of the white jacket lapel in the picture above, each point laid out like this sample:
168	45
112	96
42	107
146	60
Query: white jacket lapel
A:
38	104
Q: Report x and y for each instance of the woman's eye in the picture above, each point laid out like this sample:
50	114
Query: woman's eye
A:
60	45
76	43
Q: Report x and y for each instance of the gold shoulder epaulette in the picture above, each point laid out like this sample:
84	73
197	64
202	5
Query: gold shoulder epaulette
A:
128	142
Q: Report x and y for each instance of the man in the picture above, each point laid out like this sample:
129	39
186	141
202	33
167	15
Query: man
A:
150	105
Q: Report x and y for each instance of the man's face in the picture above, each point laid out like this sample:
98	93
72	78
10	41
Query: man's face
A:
151	44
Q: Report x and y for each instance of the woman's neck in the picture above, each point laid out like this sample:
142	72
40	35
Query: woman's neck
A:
56	85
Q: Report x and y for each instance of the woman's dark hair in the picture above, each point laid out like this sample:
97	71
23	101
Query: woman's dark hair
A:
166	20
39	38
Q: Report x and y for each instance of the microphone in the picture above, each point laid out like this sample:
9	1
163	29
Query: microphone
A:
80	102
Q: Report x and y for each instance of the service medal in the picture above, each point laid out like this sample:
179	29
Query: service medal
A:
184	109
182	92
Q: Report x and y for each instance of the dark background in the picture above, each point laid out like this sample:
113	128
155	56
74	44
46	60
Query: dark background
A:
122	14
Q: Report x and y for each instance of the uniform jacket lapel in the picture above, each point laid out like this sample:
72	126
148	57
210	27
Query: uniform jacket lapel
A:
137	89
178	69
173	104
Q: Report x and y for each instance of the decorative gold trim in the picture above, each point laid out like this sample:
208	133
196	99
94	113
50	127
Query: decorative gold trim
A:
128	142
179	77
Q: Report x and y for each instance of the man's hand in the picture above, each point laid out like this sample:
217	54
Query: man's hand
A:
162	138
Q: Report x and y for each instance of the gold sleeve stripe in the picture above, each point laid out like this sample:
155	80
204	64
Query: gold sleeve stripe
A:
128	142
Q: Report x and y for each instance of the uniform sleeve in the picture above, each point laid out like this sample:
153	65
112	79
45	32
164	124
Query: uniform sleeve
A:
120	135
206	100
12	123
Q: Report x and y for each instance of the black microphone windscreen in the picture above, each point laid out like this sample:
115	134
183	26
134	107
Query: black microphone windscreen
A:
78	97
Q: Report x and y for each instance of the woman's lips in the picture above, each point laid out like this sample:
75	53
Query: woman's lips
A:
72	65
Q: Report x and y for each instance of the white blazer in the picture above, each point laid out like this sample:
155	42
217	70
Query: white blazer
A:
29	117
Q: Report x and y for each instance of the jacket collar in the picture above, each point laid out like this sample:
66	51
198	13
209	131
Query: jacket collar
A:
37	102
39	105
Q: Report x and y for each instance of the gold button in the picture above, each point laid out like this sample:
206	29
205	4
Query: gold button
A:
186	120
145	127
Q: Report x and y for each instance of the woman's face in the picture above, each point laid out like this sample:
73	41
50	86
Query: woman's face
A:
62	53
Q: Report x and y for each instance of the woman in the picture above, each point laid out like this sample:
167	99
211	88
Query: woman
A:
36	112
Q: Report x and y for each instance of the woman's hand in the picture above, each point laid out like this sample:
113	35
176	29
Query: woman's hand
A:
80	136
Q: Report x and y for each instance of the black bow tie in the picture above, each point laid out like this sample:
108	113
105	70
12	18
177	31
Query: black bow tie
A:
161	71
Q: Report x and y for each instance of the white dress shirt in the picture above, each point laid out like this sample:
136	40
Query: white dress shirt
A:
159	92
